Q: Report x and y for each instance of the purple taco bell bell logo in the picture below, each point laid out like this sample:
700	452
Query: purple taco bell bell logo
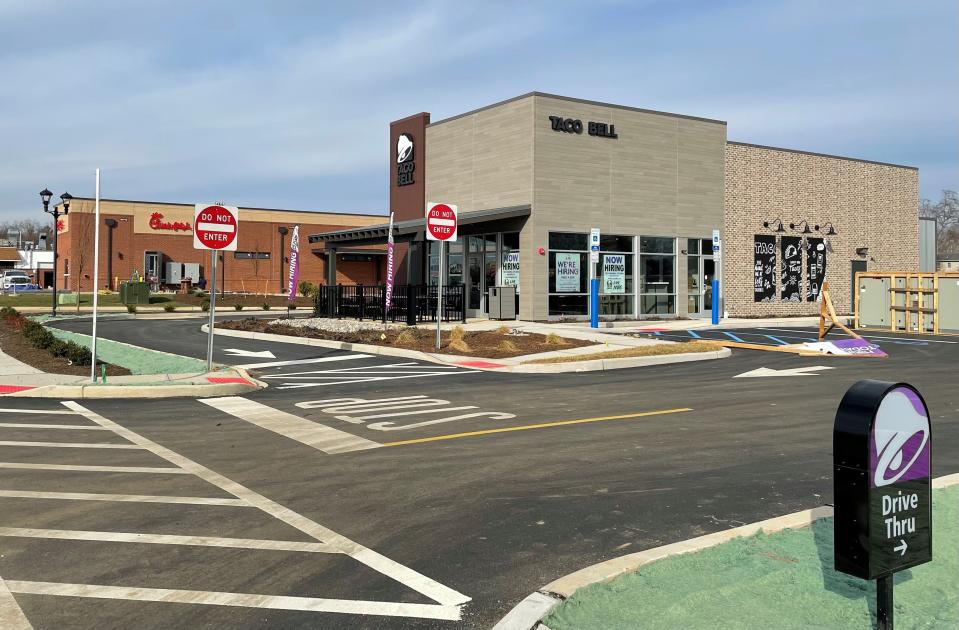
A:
900	439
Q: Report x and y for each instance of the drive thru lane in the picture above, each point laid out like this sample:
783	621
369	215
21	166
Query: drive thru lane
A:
496	514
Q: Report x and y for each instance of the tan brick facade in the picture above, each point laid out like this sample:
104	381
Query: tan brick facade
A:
871	205
133	235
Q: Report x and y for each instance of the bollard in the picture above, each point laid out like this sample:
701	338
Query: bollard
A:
103	372
594	303
715	306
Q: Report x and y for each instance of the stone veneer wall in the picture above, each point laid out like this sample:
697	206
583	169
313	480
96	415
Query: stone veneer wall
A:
871	205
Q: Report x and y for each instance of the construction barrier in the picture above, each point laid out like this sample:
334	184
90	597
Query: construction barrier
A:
913	302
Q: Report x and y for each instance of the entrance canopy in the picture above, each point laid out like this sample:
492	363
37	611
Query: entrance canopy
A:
475	222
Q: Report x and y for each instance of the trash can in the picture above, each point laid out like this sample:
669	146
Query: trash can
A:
502	302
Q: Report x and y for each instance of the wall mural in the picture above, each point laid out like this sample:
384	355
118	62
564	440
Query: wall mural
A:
764	268
790	265
815	267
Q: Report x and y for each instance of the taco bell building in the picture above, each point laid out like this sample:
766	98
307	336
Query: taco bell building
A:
534	174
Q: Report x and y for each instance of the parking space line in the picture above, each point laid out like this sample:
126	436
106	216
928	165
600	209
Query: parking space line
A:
449	599
276	602
267	364
36	425
733	337
11	617
168	470
42	412
128	498
865	333
543	425
168	539
69	444
777	340
694	334
319	436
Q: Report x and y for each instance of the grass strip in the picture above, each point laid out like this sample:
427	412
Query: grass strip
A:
651	350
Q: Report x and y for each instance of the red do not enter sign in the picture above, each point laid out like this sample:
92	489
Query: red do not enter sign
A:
441	221
215	227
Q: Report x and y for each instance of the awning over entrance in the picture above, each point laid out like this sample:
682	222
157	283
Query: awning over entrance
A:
476	221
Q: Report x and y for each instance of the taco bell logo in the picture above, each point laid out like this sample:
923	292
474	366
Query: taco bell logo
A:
900	439
404	160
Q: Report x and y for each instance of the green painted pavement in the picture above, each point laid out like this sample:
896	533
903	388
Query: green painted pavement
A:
136	359
781	581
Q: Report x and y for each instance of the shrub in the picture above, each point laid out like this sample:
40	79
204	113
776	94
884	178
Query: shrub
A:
205	305
553	339
404	338
58	348
502	330
169	308
507	346
131	308
460	346
458	333
266	306
307	288
238	307
77	354
37	335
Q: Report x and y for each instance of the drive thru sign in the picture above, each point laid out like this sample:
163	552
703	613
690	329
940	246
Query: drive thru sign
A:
215	227
882	458
441	221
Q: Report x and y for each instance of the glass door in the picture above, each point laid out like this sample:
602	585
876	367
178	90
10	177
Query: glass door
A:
708	273
475	285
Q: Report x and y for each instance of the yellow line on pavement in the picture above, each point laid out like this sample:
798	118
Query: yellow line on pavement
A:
543	425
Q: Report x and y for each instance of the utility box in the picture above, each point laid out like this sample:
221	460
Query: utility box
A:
134	293
66	297
174	273
874	306
502	302
191	271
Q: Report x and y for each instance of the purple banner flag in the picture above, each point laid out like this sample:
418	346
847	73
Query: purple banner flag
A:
294	264
389	266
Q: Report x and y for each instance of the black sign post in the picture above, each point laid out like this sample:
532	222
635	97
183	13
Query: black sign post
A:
882	456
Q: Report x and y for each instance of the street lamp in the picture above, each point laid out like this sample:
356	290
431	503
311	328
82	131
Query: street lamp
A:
45	196
283	230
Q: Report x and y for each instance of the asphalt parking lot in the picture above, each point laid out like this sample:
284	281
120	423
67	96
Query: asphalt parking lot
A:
469	485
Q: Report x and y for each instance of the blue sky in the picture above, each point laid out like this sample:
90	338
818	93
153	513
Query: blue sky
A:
287	104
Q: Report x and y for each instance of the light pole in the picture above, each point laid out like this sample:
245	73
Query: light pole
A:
283	230
45	196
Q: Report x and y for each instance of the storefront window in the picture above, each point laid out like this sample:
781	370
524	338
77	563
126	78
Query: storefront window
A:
568	274
509	261
616	286
657	275
693	279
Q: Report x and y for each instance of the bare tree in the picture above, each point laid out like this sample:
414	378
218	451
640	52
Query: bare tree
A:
83	254
946	213
29	229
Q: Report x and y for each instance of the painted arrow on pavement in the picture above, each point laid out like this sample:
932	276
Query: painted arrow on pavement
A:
800	371
236	352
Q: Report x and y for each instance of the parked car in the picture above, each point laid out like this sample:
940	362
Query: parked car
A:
21	282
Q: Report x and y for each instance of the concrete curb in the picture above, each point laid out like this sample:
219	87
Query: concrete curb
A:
156	390
545	368
529	613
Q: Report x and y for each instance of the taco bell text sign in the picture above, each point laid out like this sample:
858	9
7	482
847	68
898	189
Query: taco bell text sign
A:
882	450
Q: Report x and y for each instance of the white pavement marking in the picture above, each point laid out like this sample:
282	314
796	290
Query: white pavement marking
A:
865	333
800	371
128	498
449	599
247	600
257	354
11	617
393	371
68	444
83	468
345	357
36	425
319	436
52	412
167	539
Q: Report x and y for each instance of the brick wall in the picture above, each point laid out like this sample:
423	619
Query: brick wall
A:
871	205
130	239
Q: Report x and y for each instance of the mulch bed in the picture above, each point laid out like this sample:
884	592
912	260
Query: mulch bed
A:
488	344
12	342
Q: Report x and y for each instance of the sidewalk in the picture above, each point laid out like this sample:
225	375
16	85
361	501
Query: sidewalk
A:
21	380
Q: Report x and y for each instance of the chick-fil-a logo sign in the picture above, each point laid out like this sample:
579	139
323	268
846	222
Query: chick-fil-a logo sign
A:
900	439
157	223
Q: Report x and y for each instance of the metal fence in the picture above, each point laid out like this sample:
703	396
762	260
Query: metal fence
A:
411	303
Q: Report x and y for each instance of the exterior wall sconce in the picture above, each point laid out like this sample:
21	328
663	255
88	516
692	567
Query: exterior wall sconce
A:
832	231
780	229
862	251
805	224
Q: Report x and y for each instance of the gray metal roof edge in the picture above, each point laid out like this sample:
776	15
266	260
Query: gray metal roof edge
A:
825	155
399	227
576	100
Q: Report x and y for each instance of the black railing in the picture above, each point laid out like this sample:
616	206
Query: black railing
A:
411	303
